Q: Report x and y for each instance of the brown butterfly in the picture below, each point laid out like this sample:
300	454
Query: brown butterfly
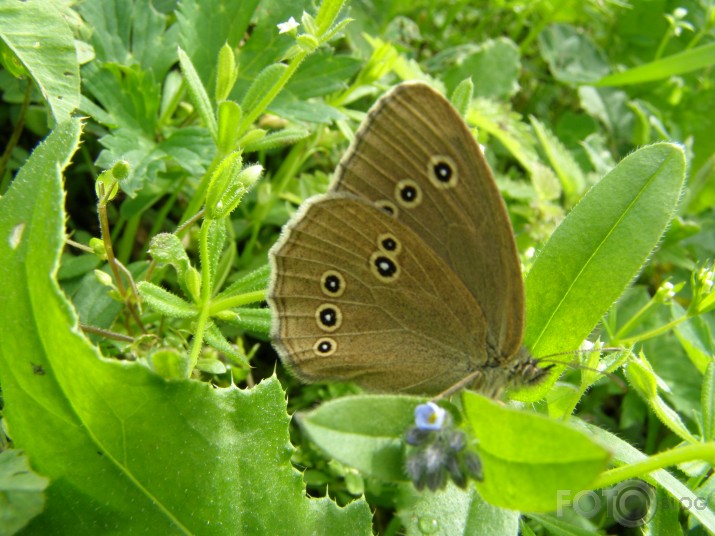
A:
404	276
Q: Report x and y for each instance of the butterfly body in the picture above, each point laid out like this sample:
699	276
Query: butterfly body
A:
404	277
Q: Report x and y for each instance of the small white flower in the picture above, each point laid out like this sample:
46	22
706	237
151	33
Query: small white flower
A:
285	27
680	12
529	253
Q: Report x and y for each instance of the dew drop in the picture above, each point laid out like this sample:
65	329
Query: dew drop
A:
428	525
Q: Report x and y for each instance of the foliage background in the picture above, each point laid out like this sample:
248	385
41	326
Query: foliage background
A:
563	91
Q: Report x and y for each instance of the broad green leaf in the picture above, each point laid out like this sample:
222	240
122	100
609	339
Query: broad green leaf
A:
684	62
42	40
127	451
365	432
599	248
527	458
322	73
493	66
572	57
21	492
206	25
454	511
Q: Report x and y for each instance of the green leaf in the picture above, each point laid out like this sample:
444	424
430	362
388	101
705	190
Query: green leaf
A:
599	248
624	454
701	57
215	338
227	73
707	402
253	320
198	94
206	25
572	57
229	119
462	96
454	511
165	302
22	492
347	429
120	444
286	136
327	14
261	86
563	163
527	458
255	280
42	40
493	66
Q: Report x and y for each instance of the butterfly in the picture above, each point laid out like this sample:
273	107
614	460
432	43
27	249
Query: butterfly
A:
404	277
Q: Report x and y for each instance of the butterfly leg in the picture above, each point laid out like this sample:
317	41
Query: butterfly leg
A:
469	378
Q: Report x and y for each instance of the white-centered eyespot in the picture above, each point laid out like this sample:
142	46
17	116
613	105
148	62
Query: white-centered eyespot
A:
408	193
325	346
384	267
329	317
442	172
389	243
332	283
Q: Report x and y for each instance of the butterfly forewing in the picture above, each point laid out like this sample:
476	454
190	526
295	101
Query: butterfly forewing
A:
357	295
415	158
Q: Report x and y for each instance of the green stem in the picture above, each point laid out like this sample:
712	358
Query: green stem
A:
702	451
628	326
205	304
236	301
653	333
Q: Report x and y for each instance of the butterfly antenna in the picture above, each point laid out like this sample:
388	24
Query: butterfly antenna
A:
575	365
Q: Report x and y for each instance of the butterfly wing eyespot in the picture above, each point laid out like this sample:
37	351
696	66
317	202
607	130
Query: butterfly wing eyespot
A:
442	172
332	283
408	193
384	267
389	243
325	346
388	207
328	317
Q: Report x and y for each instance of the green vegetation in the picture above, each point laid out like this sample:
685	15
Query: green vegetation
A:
153	151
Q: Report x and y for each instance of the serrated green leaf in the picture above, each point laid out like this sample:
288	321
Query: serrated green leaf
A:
597	250
91	425
22	492
42	40
527	458
165	302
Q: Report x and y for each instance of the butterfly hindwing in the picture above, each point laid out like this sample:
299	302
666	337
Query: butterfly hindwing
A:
357	295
